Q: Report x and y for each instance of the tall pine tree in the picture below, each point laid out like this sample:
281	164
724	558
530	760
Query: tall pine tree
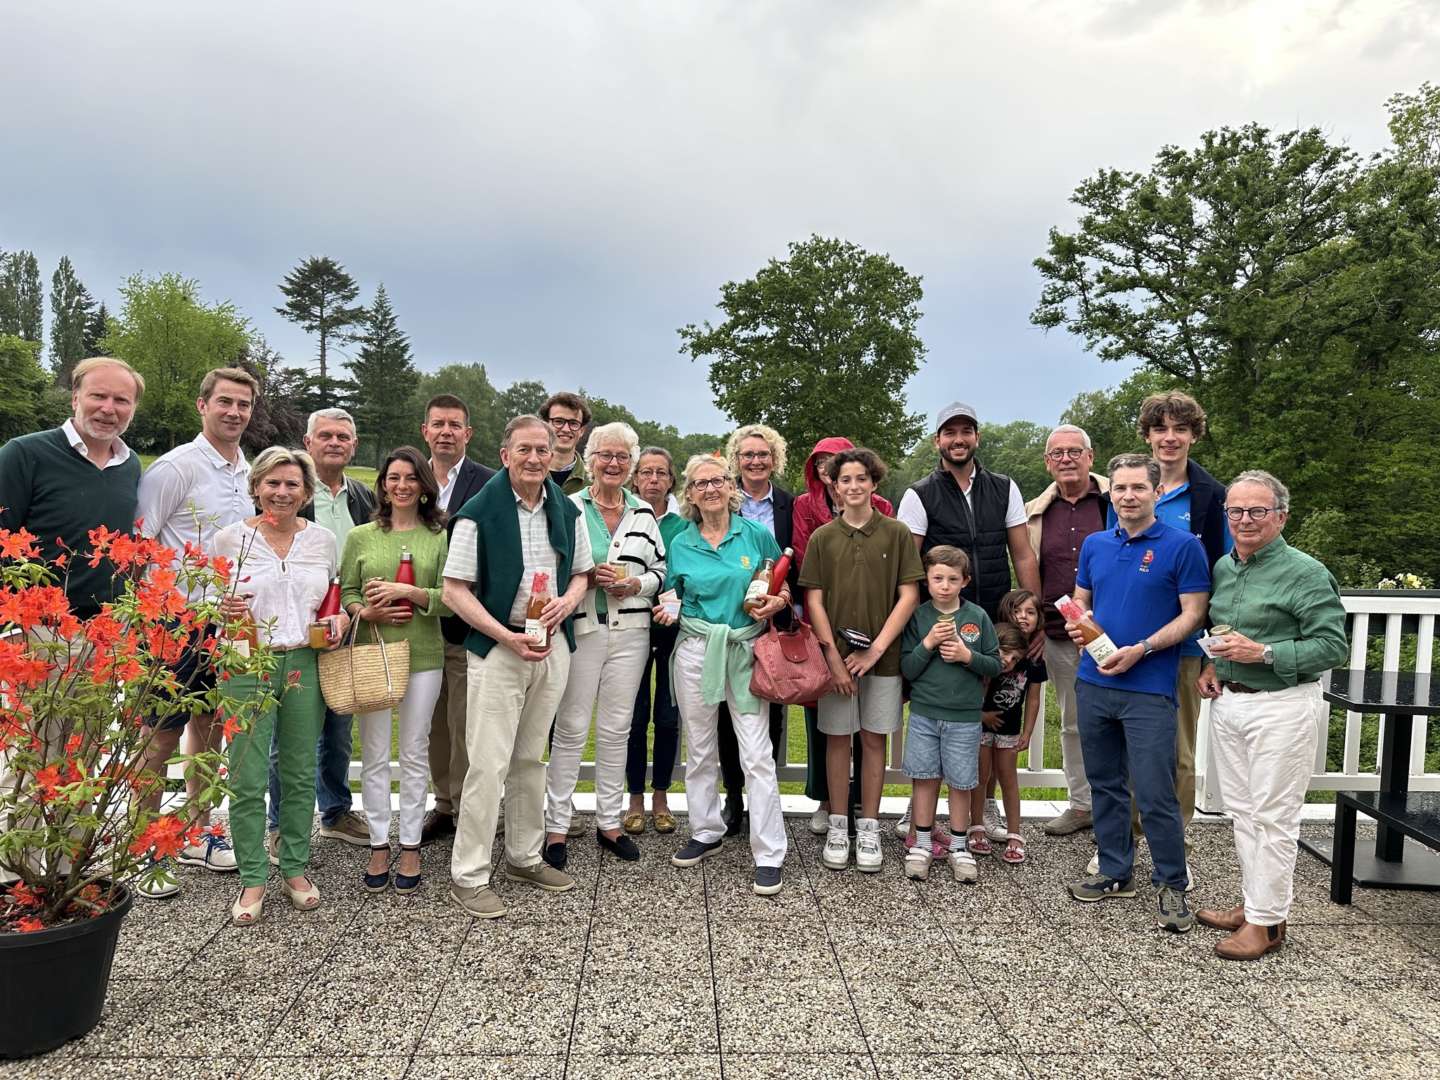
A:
21	299
384	379
320	298
70	306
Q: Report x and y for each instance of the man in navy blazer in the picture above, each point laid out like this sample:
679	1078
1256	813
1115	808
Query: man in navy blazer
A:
447	432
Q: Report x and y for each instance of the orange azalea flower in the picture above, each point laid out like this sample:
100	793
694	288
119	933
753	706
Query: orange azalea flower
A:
232	728
62	560
222	567
18	545
165	835
29	925
25	896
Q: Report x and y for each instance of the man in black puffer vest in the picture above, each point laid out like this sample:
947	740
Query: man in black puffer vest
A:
978	511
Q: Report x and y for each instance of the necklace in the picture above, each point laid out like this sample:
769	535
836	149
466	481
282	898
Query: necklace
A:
595	498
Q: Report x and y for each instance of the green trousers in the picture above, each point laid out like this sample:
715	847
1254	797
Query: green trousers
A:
295	723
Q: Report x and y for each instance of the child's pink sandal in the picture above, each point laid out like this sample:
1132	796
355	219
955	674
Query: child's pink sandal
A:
976	840
1014	852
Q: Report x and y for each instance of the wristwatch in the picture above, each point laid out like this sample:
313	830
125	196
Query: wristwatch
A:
1269	657
1149	648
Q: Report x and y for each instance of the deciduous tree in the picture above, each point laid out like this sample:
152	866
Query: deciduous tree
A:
70	307
22	381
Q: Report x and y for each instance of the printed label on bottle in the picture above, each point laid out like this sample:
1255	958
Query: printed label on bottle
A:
757	590
241	646
536	632
1100	648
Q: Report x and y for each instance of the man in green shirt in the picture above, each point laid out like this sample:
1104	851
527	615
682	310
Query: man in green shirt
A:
1284	627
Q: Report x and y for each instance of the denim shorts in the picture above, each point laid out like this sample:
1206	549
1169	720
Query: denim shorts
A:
943	748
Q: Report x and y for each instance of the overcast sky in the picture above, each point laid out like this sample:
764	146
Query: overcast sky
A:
553	188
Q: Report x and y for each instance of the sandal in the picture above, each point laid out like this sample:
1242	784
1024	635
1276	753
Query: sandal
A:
1014	852
247	914
405	884
976	841
633	822
377	883
302	899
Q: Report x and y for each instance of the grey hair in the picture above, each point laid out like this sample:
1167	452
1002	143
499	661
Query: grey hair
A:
1136	461
1265	479
620	432
689	509
1069	429
327	414
526	420
273	458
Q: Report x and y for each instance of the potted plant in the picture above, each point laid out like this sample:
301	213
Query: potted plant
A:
73	693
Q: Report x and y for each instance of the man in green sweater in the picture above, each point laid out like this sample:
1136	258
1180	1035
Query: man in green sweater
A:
60	484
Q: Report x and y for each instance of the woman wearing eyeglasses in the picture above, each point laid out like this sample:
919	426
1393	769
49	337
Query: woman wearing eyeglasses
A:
612	644
711	562
654	482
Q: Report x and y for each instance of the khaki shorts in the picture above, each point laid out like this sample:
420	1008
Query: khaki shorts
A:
875	707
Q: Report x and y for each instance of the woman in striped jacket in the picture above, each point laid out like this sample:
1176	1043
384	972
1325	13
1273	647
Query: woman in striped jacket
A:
612	643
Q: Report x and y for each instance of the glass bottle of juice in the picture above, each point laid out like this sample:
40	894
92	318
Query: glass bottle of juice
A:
1097	642
759	587
535	630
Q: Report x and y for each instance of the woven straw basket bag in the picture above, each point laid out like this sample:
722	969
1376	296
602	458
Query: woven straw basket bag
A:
364	678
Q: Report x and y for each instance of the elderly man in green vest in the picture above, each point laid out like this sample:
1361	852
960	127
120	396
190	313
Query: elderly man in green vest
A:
519	528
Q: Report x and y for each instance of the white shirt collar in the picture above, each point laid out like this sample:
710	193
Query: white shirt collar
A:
217	459
119	452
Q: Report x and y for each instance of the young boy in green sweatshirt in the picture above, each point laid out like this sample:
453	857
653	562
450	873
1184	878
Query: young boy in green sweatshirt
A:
947	652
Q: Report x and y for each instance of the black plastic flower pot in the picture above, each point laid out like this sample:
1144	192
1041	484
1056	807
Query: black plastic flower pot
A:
53	982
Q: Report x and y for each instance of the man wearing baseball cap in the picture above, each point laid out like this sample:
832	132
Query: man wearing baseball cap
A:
976	510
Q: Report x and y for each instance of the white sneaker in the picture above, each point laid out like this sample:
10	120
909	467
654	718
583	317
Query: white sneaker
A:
917	863
820	821
993	828
869	855
213	853
835	855
962	865
158	881
1093	866
902	827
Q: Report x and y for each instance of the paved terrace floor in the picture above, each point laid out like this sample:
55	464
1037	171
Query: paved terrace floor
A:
649	971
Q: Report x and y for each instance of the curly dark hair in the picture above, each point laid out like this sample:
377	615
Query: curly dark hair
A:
431	516
859	455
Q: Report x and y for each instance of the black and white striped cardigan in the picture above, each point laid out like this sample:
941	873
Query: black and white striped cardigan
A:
637	544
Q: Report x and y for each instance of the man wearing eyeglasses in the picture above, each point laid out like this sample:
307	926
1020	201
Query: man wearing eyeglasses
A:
1058	521
1287	628
569	417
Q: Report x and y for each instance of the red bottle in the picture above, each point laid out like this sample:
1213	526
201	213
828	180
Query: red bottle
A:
406	574
331	604
781	571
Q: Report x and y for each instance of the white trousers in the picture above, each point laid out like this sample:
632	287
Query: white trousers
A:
1062	661
415	710
606	664
511	704
1264	751
702	761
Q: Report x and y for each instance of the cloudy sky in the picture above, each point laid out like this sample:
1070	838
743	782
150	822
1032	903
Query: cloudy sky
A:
553	188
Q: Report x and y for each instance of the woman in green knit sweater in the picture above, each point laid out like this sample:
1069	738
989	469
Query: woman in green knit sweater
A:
408	518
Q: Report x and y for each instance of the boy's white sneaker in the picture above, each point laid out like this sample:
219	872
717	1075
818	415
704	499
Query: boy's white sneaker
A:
869	855
962	865
917	864
820	821
835	855
902	827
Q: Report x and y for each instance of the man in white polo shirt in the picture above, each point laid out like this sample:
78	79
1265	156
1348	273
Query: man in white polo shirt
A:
185	497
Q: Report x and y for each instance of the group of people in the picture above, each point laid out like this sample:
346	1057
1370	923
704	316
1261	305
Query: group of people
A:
594	577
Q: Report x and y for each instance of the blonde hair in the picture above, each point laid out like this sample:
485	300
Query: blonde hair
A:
93	363
275	456
773	439
618	431
687	508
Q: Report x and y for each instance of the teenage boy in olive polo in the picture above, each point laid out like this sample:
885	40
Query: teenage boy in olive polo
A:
861	573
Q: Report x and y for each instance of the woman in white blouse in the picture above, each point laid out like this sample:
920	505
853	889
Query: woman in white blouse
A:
283	568
612	643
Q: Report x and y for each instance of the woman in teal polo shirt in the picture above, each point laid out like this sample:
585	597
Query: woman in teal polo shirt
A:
711	562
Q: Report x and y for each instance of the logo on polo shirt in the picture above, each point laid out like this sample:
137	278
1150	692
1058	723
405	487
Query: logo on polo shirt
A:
970	633
1146	560
745	561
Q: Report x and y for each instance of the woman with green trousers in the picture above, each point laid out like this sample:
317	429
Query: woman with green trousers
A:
283	567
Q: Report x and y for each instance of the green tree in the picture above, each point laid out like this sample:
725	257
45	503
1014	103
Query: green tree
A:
1110	417
820	343
21	298
22	383
70	307
385	378
279	416
172	337
471	384
95	329
320	298
1289	287
521	397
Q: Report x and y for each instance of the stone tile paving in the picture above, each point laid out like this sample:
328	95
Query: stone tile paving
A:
649	971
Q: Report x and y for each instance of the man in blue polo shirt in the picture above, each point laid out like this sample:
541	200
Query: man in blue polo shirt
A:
1148	585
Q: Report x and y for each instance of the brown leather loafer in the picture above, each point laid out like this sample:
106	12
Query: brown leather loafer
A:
1230	919
436	825
1251	942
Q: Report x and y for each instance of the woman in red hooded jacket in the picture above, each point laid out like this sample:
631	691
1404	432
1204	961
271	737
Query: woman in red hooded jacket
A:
816	507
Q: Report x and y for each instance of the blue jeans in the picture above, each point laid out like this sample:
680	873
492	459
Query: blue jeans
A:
948	749
332	773
1128	739
666	716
